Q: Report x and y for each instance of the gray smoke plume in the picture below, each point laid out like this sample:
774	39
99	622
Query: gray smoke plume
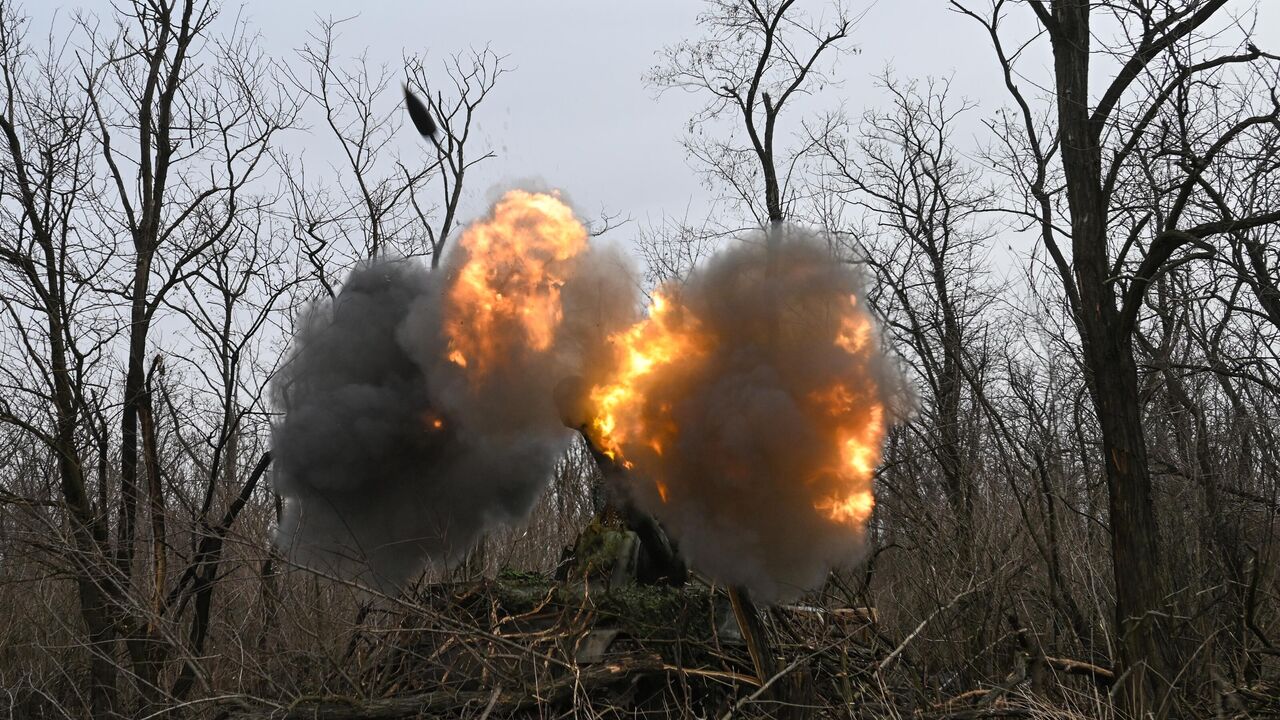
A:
759	441
397	448
389	455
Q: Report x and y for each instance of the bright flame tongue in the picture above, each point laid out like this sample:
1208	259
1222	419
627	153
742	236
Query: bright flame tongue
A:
834	403
506	294
666	340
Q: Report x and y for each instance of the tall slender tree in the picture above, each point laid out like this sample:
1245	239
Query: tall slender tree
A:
1118	71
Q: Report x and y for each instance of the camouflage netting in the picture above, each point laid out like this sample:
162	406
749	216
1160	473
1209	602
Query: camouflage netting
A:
525	645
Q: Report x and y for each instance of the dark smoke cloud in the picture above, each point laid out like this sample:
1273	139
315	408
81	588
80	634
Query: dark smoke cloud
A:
371	486
748	439
388	455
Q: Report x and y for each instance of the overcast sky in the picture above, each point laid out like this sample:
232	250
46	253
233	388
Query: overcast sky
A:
575	111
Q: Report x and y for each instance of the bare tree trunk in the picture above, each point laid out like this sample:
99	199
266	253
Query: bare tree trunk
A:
1147	657
202	574
42	271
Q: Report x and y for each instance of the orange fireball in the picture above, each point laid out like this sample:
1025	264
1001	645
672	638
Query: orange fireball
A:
668	336
752	402
505	294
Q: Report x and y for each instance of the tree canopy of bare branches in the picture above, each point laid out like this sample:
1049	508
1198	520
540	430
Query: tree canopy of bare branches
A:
1079	519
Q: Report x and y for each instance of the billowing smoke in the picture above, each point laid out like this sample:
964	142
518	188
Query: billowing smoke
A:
750	407
418	406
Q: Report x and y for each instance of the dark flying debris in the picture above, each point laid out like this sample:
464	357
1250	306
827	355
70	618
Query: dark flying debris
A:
421	116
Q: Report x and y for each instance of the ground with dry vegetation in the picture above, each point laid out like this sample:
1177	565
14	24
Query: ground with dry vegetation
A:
524	645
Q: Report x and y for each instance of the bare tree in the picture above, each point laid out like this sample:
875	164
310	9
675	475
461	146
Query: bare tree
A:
244	286
53	337
473	76
377	206
367	206
924	236
757	59
198	137
1152	52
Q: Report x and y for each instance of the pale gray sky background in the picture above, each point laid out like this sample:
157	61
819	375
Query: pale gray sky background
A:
575	111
